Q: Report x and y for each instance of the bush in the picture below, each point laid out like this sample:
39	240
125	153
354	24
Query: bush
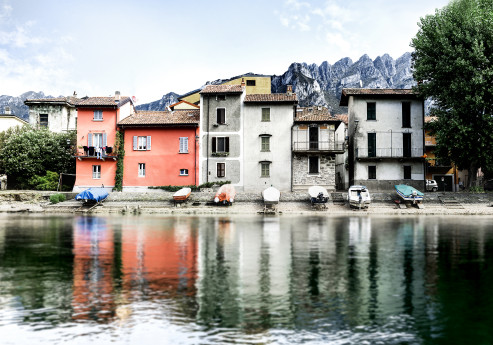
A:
47	182
476	189
62	197
55	198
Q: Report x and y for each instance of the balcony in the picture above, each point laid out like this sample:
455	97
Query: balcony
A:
318	147
92	153
388	154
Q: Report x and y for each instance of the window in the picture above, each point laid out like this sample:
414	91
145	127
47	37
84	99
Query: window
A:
406	114
406	144
221	116
43	120
372	172
221	169
220	97
265	147
183	172
265	169
142	170
142	143
250	83
371	111
97	139
96	171
265	114
407	172
372	144
98	115
183	145
313	165
220	144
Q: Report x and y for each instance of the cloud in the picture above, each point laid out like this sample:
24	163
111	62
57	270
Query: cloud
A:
295	15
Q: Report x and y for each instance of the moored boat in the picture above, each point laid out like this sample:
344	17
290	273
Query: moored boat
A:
271	196
359	196
182	194
409	193
93	194
225	195
318	195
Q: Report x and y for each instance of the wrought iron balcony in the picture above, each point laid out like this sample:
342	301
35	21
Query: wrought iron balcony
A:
318	146
388	153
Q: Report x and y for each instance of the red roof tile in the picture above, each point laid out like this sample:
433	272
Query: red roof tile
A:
407	93
162	118
222	89
102	101
343	118
315	113
271	97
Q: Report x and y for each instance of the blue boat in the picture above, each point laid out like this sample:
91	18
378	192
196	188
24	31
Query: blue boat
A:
92	194
409	193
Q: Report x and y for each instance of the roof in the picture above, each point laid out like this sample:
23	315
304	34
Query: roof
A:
102	101
162	118
7	116
313	114
180	102
69	101
343	118
271	97
407	93
222	89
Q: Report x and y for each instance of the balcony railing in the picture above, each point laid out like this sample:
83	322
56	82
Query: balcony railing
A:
92	152
389	153
327	146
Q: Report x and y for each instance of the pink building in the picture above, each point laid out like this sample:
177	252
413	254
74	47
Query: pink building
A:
160	148
97	119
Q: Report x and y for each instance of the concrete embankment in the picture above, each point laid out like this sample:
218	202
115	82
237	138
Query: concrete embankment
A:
160	202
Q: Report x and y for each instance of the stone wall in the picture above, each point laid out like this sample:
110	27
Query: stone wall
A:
325	177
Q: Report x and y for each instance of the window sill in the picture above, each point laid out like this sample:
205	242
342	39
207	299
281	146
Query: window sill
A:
264	150
183	152
265	121
95	120
182	175
264	176
220	154
372	120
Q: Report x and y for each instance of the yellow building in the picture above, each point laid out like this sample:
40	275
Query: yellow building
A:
255	84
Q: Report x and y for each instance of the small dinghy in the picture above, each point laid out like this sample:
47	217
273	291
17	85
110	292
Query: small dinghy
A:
318	195
408	193
182	194
271	196
359	197
225	195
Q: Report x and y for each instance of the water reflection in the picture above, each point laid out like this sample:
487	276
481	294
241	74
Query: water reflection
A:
249	279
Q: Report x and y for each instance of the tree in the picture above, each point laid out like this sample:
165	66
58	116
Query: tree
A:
28	152
453	64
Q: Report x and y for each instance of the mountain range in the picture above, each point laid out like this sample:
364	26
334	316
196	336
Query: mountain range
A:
314	84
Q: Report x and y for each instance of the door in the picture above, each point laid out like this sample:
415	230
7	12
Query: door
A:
313	138
406	144
444	182
372	144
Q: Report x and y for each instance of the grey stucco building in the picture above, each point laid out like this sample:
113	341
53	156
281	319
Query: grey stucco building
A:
56	114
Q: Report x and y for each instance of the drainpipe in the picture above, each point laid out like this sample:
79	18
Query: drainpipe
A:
195	157
292	147
207	151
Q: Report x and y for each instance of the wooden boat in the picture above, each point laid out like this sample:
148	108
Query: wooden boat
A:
96	195
409	193
225	195
271	196
318	195
359	196
182	194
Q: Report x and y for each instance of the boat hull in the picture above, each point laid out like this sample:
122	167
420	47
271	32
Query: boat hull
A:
409	193
271	196
318	195
182	194
359	197
225	195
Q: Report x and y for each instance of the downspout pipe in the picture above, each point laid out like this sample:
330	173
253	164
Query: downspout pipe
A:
207	151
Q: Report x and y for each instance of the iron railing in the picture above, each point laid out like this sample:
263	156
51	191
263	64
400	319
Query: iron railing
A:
317	146
362	152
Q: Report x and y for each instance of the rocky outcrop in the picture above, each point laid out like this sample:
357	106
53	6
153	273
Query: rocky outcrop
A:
159	105
16	104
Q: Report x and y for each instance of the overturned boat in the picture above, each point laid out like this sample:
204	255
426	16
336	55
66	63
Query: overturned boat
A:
225	195
408	193
271	196
318	195
182	194
94	195
359	196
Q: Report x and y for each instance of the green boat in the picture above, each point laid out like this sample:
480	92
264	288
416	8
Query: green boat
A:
409	193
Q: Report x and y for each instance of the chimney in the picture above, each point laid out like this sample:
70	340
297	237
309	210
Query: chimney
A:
7	111
243	82
289	90
117	96
75	94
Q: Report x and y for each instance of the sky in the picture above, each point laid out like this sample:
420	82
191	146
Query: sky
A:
147	48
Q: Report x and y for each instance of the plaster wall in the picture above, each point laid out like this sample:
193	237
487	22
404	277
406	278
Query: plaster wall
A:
10	121
60	117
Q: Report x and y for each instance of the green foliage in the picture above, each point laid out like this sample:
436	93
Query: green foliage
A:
120	152
47	182
192	187
27	152
453	65
62	197
55	198
476	189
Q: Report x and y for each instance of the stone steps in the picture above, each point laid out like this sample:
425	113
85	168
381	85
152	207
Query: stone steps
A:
450	202
338	198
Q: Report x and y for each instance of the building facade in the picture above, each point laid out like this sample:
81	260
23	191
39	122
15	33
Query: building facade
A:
56	114
160	149
8	120
386	137
315	145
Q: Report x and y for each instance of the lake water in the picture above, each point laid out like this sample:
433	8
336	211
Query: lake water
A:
246	280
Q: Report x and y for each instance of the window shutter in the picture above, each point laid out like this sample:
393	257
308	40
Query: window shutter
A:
104	140
185	144
135	142
226	144
89	139
214	144
148	143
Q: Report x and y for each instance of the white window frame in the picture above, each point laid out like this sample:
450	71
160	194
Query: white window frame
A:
142	170
96	142
98	115
142	143
217	164
318	165
183	146
183	172
96	172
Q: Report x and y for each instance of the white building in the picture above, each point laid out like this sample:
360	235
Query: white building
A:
8	120
56	114
386	137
